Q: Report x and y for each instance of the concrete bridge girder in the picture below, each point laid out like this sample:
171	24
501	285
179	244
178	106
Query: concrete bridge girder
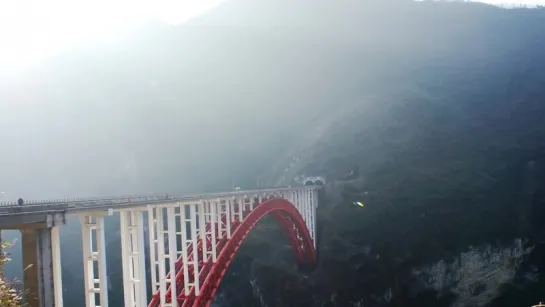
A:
32	221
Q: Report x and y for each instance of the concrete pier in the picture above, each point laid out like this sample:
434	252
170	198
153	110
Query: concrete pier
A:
29	243
41	265
41	251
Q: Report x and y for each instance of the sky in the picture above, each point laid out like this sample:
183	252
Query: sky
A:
526	2
32	30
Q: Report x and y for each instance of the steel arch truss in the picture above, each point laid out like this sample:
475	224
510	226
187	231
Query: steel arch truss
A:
202	240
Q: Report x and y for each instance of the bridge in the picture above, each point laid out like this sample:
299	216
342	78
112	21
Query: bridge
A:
192	241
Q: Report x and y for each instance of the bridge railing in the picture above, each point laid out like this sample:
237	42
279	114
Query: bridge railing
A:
19	210
87	201
84	204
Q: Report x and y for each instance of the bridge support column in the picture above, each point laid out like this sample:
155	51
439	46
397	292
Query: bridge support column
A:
193	210
41	263
94	253
153	242
161	255
172	253
312	228
134	258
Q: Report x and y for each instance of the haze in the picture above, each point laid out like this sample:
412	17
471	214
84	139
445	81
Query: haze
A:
115	100
429	113
31	30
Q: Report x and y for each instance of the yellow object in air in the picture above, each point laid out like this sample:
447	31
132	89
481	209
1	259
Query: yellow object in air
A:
359	203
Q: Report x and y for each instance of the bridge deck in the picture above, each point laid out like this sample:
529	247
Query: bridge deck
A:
210	232
75	205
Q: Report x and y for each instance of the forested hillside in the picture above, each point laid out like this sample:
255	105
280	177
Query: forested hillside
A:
439	108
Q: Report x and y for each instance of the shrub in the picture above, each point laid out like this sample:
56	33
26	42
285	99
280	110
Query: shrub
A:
8	296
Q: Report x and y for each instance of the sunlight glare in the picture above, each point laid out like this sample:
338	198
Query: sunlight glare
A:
31	30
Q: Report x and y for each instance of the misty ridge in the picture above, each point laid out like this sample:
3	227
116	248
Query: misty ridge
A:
438	105
163	109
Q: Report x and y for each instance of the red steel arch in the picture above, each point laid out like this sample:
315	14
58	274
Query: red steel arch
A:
211	273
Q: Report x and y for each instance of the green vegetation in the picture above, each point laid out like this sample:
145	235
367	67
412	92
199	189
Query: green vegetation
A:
8	296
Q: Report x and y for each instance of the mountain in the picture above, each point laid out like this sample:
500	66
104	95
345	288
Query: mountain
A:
437	107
